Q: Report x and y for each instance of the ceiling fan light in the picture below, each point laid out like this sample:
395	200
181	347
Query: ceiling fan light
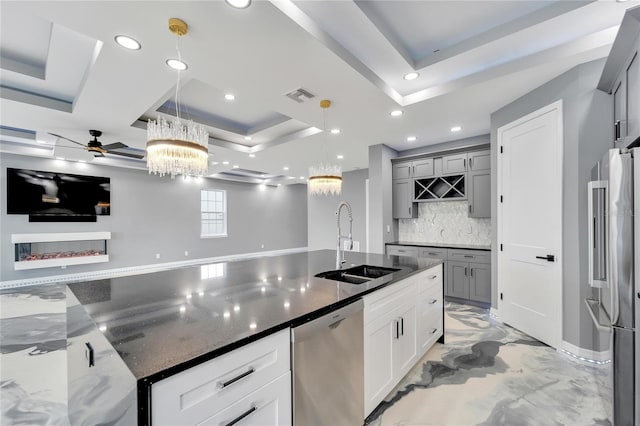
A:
239	4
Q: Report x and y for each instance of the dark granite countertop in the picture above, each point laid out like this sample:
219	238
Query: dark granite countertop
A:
163	322
443	245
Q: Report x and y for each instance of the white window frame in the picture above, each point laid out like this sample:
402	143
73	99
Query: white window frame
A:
207	206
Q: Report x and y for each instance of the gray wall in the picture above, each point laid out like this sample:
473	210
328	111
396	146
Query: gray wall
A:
322	213
588	115
380	200
152	214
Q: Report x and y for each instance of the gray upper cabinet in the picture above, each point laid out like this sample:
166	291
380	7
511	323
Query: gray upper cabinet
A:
402	170
413	169
423	168
621	78
479	193
454	164
403	207
479	160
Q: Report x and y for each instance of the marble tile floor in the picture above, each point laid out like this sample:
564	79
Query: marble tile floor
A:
488	373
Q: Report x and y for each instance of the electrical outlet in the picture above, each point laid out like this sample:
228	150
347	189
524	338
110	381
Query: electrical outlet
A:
261	245
157	255
388	228
186	253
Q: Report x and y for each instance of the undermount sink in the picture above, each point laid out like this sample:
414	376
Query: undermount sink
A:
358	274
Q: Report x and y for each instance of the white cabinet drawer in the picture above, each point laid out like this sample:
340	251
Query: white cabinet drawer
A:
191	396
381	302
268	406
430	279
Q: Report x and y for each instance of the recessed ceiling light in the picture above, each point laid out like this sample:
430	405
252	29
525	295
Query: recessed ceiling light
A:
456	128
411	76
214	163
247	138
411	139
235	166
302	177
340	156
42	142
279	184
252	155
285	168
229	96
396	113
177	65
127	42
60	158
225	163
239	4
335	131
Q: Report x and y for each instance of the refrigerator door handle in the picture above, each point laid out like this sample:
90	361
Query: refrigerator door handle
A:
596	195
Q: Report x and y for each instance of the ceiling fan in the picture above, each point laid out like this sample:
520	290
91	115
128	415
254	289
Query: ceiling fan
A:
95	146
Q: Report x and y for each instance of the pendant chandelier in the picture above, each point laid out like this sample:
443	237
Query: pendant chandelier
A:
326	178
173	147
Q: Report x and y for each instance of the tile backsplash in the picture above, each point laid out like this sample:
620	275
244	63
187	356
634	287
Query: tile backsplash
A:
445	222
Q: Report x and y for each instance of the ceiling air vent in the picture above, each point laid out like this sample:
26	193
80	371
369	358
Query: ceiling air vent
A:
300	95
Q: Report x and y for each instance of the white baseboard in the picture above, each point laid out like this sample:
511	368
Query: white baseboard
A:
585	355
142	269
494	314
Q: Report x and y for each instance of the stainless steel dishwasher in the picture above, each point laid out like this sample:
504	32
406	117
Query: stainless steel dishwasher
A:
328	369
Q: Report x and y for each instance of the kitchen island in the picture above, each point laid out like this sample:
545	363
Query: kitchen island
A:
159	324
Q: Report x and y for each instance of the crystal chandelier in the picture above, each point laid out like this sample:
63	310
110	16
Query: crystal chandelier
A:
326	178
174	148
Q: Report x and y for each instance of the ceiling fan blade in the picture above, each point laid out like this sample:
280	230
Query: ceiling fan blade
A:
117	145
70	140
126	154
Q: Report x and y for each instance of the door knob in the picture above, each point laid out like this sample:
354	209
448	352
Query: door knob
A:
548	258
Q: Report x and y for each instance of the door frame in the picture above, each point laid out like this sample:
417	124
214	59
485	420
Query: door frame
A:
557	106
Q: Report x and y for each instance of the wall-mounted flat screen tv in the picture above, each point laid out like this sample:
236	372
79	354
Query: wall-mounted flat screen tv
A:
53	196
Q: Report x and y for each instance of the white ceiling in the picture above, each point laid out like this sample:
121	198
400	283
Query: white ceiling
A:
352	52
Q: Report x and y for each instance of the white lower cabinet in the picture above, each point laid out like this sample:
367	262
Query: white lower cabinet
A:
402	322
269	405
247	381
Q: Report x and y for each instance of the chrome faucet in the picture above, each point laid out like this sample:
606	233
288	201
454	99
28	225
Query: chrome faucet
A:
339	261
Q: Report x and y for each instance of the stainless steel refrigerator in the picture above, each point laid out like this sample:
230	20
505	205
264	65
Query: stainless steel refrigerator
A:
614	273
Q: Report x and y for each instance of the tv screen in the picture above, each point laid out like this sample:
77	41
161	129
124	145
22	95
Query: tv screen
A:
54	194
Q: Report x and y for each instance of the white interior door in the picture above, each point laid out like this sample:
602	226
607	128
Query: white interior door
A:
530	224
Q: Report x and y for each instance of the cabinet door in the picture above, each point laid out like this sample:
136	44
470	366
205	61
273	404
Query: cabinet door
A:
403	207
480	160
379	339
479	193
633	99
456	163
619	110
402	170
480	282
406	347
458	279
423	168
269	405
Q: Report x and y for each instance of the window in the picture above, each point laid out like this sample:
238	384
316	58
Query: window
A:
213	213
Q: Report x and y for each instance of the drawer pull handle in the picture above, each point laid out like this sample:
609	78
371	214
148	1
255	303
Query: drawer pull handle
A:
433	301
469	256
401	251
434	331
223	385
241	416
433	254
